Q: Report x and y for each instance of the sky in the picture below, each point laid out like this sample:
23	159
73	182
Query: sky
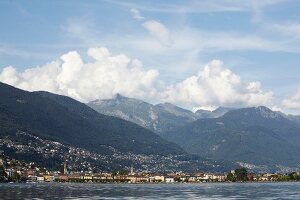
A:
195	54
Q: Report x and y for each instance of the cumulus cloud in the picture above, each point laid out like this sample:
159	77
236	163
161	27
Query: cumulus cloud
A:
159	31
86	81
208	108
292	102
136	14
107	74
9	75
217	85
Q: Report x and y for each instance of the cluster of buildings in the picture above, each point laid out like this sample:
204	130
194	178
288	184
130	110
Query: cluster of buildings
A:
126	178
35	176
12	170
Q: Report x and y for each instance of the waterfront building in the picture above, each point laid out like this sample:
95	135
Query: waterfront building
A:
40	179
170	180
63	178
49	178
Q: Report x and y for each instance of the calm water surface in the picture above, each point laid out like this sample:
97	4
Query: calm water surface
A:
151	191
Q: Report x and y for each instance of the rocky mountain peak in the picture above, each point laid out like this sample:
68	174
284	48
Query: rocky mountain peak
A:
267	112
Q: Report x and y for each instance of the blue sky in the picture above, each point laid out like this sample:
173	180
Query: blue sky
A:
258	41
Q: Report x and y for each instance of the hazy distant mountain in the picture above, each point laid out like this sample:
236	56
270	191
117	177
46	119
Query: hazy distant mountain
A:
158	118
247	135
220	111
251	135
69	121
294	118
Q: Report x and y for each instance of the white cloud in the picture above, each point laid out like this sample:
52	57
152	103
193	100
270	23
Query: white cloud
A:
136	14
289	29
191	38
192	41
292	102
208	108
108	75
217	85
102	78
9	75
159	31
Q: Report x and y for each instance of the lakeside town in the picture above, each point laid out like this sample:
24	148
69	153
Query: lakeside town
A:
12	170
28	147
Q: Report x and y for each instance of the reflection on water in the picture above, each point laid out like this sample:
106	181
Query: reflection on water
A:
151	191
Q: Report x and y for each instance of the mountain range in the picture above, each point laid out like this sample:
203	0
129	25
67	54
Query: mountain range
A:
253	136
159	118
122	129
67	120
68	127
256	137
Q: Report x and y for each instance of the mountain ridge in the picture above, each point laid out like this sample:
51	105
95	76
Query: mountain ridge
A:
29	120
159	118
250	135
67	120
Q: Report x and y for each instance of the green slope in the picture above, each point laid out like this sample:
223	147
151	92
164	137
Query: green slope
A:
71	122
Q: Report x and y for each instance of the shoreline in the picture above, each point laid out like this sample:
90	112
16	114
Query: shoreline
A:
145	183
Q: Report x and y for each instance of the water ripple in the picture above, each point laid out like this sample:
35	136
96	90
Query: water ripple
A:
213	191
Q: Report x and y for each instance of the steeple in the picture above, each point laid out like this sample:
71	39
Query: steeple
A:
65	166
131	170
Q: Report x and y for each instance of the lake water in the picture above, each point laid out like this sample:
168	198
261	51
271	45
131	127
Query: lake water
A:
151	191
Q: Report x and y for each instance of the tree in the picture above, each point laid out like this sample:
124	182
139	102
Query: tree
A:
3	175
231	177
241	174
177	179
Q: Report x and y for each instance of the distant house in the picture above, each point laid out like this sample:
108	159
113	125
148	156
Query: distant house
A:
121	178
74	178
192	179
99	178
63	178
183	178
157	178
143	179
219	177
207	177
29	172
9	172
138	179
87	177
169	180
40	179
32	178
48	178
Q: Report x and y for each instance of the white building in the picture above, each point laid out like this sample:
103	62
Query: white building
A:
169	180
40	179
